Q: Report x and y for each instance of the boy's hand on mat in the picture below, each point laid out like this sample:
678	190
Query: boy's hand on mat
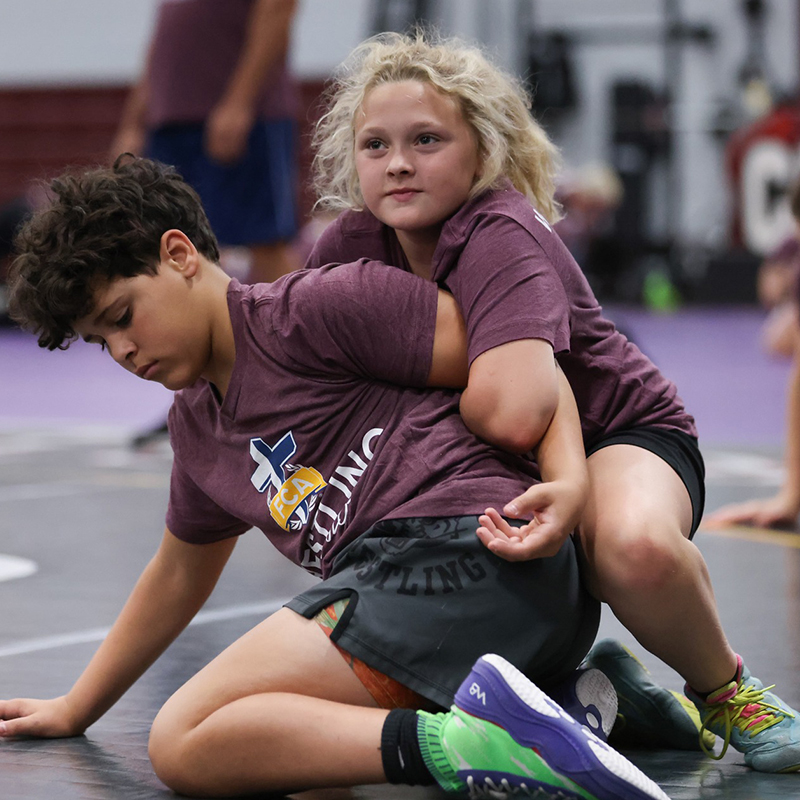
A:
779	511
47	719
540	538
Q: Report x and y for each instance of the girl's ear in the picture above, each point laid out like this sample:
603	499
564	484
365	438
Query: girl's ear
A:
177	252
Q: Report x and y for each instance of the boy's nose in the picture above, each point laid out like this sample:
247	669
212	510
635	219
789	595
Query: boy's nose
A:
122	349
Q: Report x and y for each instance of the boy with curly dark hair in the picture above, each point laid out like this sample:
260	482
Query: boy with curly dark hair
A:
304	408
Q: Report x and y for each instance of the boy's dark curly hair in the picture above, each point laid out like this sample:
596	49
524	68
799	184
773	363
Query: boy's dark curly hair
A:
100	225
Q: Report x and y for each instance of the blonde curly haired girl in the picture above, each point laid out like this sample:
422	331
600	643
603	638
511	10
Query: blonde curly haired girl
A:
494	103
431	155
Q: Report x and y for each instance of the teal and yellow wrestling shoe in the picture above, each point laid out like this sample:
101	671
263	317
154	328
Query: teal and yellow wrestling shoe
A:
504	737
649	716
746	715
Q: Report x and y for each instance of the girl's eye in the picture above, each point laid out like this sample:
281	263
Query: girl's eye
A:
373	144
427	138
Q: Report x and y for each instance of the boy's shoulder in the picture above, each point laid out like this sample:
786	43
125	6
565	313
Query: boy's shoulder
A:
309	294
285	321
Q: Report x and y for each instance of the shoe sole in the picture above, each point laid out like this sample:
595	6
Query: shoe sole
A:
498	692
598	700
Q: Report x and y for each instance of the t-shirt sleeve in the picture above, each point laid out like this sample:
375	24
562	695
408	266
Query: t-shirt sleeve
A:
194	517
328	248
508	289
364	318
349	238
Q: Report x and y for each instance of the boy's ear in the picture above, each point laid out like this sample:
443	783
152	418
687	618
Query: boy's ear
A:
178	252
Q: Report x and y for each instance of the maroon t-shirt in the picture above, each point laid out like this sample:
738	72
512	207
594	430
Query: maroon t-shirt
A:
319	435
195	48
514	279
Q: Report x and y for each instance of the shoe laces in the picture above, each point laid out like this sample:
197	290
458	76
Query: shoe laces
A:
499	791
747	711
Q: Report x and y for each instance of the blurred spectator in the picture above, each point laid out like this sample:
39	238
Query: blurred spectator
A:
590	196
782	509
777	277
216	101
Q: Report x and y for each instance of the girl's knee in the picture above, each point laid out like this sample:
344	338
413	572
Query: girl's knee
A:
638	558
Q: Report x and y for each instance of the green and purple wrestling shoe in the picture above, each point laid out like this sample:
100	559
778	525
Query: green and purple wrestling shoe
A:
504	737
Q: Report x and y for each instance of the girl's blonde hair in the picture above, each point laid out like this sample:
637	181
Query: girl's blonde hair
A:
511	143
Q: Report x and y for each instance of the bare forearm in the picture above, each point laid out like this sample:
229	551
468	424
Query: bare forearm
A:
791	486
135	108
561	454
140	634
513	427
131	132
555	506
266	44
161	605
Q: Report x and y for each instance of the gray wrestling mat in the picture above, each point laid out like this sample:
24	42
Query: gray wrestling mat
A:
86	513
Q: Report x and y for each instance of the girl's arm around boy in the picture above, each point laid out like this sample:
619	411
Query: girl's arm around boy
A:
554	506
519	409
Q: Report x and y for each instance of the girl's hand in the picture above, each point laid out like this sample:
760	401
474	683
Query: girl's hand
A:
46	719
555	507
779	511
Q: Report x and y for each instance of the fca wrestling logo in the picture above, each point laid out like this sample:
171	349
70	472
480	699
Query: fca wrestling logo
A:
291	490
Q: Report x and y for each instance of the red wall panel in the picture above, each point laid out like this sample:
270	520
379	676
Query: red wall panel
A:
43	131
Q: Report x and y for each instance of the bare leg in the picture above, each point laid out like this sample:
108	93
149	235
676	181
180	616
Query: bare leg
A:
634	535
279	710
271	261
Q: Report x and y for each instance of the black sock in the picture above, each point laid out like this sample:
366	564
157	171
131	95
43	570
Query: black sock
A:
402	758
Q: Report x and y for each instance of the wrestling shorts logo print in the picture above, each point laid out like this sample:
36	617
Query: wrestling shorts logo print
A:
292	490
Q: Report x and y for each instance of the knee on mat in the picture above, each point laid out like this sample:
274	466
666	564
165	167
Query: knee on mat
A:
170	757
646	561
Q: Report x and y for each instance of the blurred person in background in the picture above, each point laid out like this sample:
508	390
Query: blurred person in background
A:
216	101
777	279
589	196
780	510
